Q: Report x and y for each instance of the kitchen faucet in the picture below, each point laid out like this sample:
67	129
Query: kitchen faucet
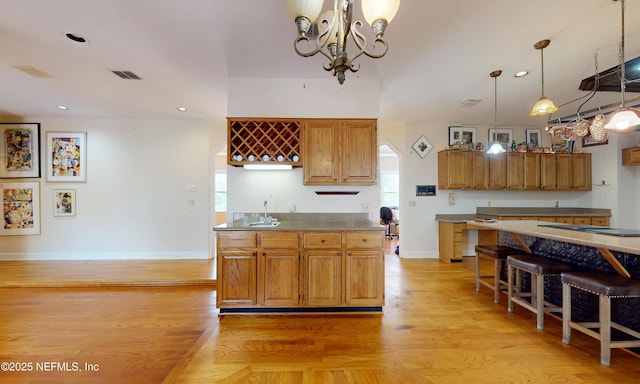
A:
265	210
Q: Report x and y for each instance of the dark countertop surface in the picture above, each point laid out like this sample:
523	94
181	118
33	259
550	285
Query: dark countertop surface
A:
304	222
495	212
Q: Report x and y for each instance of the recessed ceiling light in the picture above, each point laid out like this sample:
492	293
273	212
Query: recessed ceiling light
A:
62	107
76	38
521	74
182	109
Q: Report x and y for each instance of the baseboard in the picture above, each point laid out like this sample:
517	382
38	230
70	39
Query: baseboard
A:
105	256
419	255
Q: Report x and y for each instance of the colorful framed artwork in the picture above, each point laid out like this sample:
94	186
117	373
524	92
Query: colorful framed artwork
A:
464	135
422	146
502	136
20	150
533	137
67	156
590	142
64	202
20	208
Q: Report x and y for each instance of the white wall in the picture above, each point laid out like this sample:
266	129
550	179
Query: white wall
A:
134	202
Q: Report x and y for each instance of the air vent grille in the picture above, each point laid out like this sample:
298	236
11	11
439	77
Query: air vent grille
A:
127	75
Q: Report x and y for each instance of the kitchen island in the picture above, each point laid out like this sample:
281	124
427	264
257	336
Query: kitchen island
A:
306	263
585	251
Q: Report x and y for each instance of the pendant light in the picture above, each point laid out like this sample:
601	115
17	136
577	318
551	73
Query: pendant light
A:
623	119
495	147
544	106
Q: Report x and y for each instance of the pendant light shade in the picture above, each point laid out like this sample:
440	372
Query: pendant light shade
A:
374	10
623	119
544	106
495	148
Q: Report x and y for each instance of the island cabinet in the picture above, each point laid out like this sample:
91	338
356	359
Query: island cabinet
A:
339	152
322	264
278	269
364	274
281	271
237	262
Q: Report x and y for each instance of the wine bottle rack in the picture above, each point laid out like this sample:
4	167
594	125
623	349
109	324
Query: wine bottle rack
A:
260	137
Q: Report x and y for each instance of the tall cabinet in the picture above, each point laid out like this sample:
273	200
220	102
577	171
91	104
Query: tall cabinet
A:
339	152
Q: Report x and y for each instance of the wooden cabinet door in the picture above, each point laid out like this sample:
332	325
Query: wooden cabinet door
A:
582	171
454	169
631	156
359	152
236	283
515	170
279	282
322	278
498	171
532	171
480	171
321	152
564	173
548	172
364	278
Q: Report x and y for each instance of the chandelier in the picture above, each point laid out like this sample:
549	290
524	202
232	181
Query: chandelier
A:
334	27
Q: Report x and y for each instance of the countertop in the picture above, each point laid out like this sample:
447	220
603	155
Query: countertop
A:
304	222
532	228
495	212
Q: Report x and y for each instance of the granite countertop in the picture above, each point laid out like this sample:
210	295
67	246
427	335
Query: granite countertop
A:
495	212
533	228
304	222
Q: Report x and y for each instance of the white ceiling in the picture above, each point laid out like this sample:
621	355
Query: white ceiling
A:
440	54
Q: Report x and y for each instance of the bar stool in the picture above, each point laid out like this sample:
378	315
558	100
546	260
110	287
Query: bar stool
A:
606	286
498	254
539	268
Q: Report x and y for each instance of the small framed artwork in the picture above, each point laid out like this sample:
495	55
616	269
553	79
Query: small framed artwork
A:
20	150
20	208
465	135
533	137
64	202
422	146
67	156
590	142
502	136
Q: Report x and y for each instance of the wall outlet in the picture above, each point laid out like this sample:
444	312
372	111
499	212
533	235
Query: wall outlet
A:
452	199
364	207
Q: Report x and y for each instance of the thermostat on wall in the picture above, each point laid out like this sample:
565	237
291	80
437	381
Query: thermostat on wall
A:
425	190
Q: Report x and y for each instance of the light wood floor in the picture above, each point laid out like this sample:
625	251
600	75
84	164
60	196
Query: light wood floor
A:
435	329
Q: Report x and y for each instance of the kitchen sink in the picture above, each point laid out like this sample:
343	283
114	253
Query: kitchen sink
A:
273	224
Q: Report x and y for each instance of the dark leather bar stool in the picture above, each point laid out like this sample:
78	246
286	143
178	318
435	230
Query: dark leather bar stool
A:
497	254
539	268
607	287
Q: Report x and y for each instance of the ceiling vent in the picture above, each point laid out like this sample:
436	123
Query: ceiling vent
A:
127	75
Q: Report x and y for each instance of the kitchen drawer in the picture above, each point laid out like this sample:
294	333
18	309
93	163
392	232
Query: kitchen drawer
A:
281	240
322	240
240	239
365	240
564	220
581	220
604	221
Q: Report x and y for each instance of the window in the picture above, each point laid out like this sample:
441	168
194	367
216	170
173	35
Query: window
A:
221	192
390	185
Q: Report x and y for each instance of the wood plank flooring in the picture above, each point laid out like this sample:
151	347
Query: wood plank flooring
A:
435	329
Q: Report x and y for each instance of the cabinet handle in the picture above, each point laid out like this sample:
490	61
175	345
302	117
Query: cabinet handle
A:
364	240
322	241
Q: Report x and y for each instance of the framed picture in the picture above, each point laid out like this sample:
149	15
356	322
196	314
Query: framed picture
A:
20	208
533	137
64	202
590	142
502	136
67	156
465	135
20	150
422	146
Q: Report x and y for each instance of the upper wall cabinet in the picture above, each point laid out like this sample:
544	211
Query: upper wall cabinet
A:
514	171
263	140
631	156
339	152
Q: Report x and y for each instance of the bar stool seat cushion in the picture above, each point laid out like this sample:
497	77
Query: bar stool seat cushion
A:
496	251
538	265
603	284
